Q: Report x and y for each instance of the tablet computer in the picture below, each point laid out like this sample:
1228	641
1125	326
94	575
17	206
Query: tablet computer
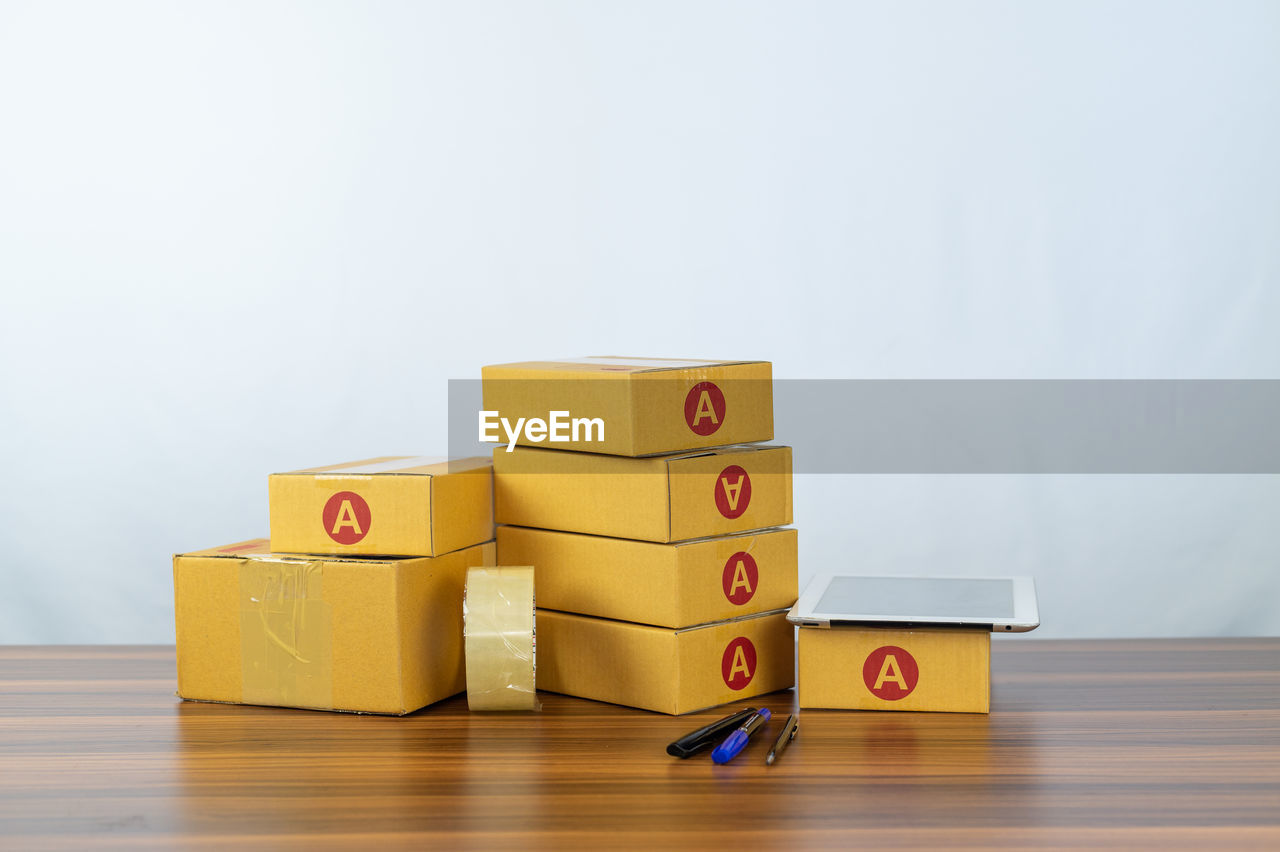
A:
1000	603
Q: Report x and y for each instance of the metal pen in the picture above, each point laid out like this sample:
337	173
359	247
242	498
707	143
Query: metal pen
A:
789	730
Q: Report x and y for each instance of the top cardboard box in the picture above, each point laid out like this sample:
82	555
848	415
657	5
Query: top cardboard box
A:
646	406
389	506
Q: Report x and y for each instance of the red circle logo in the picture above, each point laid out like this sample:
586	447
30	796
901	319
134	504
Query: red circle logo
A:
704	408
738	665
346	517
890	673
733	491
740	578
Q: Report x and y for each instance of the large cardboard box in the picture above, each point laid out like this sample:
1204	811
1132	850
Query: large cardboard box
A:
363	635
944	669
668	585
660	498
395	505
645	405
656	668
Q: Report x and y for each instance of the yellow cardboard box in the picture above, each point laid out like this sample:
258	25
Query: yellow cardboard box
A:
656	668
659	498
362	635
668	585
945	669
395	505
645	405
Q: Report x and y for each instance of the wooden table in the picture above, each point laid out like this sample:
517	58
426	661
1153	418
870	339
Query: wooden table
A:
1154	742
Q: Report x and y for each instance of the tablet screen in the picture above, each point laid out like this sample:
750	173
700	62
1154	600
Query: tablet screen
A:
868	597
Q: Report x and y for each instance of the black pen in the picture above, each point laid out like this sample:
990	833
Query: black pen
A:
705	737
789	730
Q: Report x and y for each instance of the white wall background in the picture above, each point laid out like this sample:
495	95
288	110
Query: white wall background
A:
245	237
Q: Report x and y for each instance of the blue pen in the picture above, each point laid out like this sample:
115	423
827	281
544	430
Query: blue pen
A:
737	741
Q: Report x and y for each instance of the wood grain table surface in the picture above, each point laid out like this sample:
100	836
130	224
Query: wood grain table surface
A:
1120	743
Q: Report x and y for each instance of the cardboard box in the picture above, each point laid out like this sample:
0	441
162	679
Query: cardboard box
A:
395	505
362	635
660	498
656	668
646	405
942	669
668	585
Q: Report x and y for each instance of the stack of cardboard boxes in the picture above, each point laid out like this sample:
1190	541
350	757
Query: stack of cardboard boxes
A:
652	517
354	604
662	575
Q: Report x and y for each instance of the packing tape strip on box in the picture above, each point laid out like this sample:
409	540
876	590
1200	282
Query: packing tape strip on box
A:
286	634
498	628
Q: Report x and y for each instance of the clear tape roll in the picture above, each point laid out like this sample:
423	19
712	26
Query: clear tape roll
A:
501	643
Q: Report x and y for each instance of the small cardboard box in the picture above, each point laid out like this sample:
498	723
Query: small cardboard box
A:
362	635
656	668
395	505
668	585
946	669
660	498
646	405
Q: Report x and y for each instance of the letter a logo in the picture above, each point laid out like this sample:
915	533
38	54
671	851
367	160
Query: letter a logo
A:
346	517
733	491
890	673
740	578
738	663
704	408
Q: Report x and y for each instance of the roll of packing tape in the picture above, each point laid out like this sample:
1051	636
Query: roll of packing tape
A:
498	628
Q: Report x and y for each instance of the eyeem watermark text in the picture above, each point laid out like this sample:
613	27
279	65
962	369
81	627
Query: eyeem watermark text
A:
560	427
